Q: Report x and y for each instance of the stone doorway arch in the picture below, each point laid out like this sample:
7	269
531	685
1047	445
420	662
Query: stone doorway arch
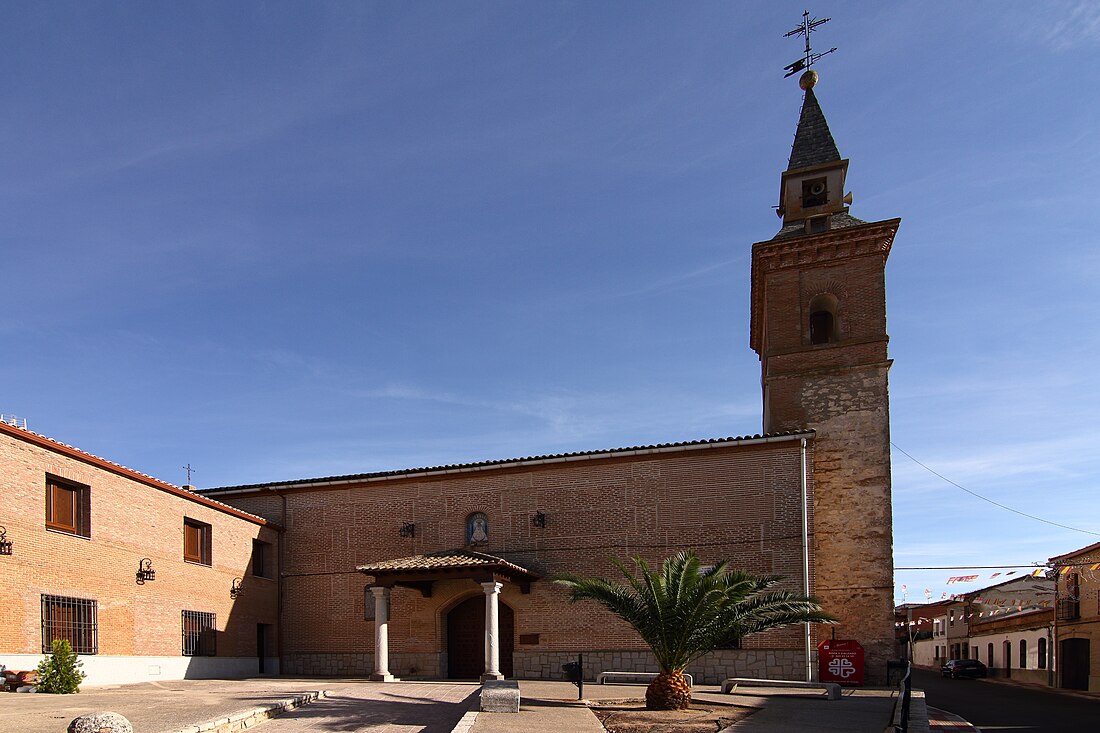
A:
465	625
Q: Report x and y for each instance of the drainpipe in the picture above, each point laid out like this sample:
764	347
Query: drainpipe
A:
806	557
280	588
1052	656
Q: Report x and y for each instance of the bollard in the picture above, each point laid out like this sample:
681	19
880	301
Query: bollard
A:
574	672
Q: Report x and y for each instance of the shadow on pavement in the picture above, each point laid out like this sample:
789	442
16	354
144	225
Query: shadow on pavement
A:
344	713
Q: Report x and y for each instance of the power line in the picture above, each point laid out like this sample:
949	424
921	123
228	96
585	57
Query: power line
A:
994	503
969	567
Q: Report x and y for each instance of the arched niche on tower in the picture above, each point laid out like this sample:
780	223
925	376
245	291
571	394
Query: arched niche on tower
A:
824	319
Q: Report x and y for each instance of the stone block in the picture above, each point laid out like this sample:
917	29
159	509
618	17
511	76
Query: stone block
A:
100	722
500	696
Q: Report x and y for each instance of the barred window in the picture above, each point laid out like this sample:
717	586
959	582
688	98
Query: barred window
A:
199	634
71	619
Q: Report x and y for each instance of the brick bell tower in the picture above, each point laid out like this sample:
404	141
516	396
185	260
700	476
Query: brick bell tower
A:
819	327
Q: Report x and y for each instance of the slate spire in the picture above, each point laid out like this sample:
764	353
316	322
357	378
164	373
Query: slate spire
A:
813	143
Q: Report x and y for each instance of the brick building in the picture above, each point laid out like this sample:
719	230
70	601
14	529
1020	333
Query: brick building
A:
399	572
1077	618
445	571
81	528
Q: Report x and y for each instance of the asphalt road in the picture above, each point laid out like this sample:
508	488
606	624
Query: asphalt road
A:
994	706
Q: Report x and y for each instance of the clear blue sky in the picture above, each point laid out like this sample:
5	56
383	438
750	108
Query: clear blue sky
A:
284	240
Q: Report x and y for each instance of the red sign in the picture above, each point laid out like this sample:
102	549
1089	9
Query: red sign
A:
840	660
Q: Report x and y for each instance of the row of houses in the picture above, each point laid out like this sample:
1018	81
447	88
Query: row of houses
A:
1036	627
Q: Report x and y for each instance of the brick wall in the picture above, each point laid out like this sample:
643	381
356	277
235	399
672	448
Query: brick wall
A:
740	503
130	520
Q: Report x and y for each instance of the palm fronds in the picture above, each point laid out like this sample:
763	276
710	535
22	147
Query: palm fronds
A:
683	610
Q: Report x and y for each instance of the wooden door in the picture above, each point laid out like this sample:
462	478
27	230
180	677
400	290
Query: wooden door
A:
466	639
1074	663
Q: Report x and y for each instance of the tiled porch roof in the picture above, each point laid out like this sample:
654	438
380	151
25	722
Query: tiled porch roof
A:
445	560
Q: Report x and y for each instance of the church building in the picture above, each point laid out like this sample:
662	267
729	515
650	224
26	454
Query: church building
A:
446	571
399	572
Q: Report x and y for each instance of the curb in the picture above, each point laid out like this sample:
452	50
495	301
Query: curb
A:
250	717
466	724
939	720
1079	694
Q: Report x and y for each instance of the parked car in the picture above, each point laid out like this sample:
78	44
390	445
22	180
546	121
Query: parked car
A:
957	668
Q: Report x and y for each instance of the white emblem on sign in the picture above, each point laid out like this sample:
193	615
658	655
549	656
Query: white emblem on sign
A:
841	668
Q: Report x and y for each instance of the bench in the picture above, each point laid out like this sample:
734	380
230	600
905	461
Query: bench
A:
500	696
832	689
601	678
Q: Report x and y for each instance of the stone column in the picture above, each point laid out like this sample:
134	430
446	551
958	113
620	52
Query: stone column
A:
492	632
381	635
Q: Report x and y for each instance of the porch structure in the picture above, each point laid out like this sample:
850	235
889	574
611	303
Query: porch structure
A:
421	572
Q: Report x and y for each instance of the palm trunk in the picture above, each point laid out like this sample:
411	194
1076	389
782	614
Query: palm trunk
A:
670	691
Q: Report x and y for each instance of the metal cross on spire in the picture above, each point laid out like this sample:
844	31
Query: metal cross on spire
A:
805	29
189	472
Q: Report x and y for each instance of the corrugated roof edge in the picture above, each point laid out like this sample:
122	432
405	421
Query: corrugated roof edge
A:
508	462
130	473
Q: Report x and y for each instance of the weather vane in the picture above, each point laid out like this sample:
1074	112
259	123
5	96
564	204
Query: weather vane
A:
805	29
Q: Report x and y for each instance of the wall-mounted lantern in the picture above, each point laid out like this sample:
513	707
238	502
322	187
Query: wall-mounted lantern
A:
235	589
538	519
408	529
145	571
5	543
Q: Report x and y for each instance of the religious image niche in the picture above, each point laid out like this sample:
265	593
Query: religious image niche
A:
477	530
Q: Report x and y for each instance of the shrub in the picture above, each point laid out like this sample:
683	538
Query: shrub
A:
60	672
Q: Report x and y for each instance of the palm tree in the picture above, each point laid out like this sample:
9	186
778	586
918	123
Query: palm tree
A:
686	610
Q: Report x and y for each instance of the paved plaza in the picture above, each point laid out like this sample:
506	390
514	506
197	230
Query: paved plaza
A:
357	706
169	707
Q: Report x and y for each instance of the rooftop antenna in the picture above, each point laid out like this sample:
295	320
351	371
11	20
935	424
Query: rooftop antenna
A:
189	472
807	27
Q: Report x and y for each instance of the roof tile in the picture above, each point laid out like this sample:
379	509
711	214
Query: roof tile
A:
813	143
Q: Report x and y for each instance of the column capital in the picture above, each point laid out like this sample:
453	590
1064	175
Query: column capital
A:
492	587
380	591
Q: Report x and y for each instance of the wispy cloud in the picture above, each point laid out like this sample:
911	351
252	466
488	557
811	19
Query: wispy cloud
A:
677	280
1070	24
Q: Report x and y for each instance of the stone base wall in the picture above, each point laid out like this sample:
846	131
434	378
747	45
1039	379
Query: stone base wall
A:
780	664
403	665
110	669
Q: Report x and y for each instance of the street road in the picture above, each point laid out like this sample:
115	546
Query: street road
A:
993	706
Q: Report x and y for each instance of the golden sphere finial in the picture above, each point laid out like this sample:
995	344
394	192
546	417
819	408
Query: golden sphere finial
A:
807	80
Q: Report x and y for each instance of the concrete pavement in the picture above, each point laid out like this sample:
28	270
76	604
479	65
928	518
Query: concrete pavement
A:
551	707
357	706
193	705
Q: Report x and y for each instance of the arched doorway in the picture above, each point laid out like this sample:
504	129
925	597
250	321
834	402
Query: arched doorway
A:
466	638
1008	658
